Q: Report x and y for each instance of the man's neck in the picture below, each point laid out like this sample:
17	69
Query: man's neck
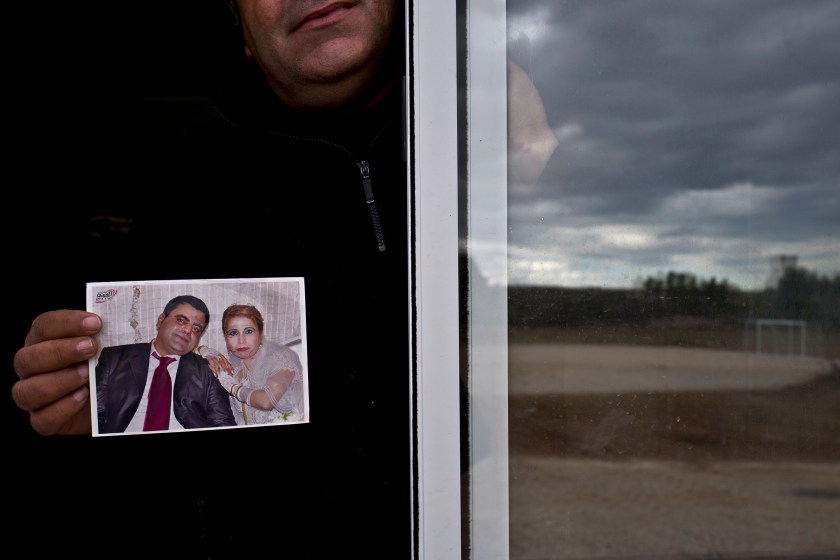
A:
162	352
342	98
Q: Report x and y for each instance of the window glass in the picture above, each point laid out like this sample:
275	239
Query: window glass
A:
672	278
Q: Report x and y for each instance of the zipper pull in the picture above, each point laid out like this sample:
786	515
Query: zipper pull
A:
364	167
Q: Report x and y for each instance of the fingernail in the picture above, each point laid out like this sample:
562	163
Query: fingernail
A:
83	372
91	323
85	346
81	394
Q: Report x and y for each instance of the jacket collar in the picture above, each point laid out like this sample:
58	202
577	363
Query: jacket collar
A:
246	101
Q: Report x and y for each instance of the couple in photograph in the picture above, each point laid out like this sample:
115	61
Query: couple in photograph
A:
166	385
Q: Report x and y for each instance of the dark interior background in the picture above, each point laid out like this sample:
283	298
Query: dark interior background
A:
88	83
112	73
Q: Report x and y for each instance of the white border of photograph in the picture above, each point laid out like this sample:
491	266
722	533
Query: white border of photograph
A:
129	312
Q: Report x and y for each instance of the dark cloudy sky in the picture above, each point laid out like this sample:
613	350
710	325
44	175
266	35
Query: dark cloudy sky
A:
698	136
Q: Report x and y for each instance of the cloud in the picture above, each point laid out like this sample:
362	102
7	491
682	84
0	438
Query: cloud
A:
740	200
699	134
568	131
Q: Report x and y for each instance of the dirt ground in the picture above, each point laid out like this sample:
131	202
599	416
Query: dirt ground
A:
792	423
745	466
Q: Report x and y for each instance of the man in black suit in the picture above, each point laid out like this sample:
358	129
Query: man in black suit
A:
124	375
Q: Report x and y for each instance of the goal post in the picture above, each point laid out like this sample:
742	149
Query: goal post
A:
776	336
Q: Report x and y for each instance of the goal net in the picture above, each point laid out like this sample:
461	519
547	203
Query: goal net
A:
776	336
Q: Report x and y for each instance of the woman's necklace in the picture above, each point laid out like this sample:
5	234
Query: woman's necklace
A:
243	375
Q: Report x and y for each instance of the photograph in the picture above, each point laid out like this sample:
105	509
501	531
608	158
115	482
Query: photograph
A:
198	355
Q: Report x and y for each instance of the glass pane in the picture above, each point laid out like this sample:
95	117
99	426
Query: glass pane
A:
673	279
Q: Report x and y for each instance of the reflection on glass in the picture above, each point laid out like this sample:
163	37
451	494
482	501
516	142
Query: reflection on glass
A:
674	279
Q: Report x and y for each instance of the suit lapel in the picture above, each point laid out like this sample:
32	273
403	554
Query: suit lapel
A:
139	365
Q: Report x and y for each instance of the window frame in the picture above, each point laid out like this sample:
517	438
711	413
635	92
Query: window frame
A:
457	50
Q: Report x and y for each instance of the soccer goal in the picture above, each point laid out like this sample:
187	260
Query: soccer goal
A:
776	336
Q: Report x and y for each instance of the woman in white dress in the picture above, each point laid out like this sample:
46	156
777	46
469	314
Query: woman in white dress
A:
266	385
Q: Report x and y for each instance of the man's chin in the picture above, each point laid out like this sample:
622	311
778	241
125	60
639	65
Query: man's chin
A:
336	60
181	349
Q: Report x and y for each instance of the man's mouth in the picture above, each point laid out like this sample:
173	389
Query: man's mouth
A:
322	17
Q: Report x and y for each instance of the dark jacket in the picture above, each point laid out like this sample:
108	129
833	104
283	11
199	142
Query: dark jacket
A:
199	401
256	191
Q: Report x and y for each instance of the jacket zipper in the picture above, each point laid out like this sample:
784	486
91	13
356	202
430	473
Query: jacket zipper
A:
364	167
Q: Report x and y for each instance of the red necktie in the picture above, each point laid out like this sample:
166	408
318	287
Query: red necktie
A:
160	395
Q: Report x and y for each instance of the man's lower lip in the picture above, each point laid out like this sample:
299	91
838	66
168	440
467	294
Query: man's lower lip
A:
326	19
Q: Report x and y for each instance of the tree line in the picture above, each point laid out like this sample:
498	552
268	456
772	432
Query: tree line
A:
800	294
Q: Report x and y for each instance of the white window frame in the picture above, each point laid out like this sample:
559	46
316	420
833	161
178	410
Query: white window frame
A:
433	68
433	141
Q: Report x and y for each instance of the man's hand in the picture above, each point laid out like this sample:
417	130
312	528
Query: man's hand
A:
53	371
